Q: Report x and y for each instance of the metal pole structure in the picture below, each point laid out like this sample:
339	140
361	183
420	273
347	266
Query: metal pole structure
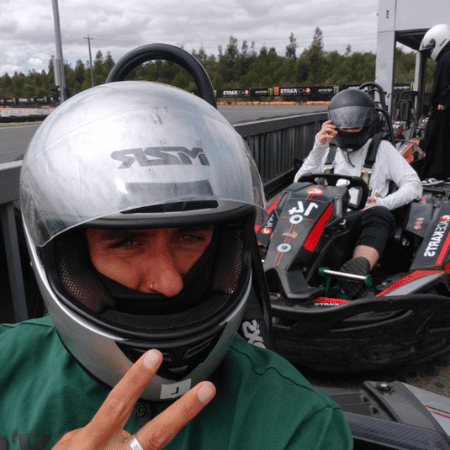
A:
90	59
59	54
420	87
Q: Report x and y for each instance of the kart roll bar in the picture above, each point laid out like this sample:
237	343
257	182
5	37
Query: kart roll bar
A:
166	52
370	87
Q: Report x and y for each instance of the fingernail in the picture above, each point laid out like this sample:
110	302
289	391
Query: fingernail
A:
206	392
152	359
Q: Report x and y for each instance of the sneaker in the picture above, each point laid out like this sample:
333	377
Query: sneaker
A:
446	180
356	266
431	182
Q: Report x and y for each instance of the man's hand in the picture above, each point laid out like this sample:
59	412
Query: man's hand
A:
371	202
441	107
105	430
327	133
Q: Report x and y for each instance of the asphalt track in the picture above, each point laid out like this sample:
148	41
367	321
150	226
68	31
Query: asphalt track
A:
14	139
433	376
243	114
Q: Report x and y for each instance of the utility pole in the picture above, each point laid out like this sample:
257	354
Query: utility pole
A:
90	59
60	78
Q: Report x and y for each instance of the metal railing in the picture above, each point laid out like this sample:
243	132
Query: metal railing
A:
9	193
274	143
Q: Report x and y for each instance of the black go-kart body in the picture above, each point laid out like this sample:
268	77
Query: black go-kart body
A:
403	315
395	416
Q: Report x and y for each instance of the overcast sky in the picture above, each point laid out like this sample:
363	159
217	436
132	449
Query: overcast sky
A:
28	36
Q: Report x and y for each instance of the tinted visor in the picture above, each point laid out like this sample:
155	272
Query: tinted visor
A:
351	116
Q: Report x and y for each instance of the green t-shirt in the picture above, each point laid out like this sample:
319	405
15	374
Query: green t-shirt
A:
262	401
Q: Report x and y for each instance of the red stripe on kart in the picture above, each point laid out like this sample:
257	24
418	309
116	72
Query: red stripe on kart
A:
330	301
438	412
313	239
443	251
269	211
417	275
274	205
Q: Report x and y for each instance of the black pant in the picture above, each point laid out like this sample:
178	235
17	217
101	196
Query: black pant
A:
437	145
371	227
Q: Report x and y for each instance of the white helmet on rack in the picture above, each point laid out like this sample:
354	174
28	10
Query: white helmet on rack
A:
435	39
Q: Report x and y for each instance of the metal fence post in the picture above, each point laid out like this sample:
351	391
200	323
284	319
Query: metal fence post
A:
13	262
9	192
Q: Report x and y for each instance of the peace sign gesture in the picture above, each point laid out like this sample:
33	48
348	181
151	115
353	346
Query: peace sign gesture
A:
105	430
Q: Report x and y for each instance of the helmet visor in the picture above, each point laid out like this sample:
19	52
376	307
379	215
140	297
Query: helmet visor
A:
427	45
148	145
351	116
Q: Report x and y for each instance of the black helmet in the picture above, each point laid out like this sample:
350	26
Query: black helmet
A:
140	155
352	108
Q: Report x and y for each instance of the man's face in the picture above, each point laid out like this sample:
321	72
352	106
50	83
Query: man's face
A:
149	261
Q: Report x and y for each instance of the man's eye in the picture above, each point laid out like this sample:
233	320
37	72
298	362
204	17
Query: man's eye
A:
192	238
124	243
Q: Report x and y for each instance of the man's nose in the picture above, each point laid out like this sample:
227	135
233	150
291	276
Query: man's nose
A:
160	274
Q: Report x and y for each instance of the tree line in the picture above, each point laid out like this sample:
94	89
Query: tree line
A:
234	67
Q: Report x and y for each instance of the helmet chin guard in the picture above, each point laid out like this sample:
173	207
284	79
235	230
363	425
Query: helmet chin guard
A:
353	141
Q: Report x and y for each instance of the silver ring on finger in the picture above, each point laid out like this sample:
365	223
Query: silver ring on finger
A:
134	443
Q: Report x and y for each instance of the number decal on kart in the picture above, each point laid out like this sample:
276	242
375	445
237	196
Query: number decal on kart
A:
299	212
296	219
284	248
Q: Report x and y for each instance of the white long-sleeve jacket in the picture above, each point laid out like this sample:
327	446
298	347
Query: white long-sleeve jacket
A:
389	165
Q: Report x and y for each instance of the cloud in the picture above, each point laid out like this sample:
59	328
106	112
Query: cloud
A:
27	26
37	64
9	69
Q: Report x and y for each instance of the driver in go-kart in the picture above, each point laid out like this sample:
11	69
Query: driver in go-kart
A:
352	125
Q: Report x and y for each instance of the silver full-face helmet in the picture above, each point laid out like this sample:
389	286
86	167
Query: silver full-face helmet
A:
435	39
140	155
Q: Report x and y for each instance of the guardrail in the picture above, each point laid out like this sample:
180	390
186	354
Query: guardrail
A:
274	143
9	193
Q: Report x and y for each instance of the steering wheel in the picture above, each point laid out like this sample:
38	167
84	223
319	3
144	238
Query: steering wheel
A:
332	178
167	52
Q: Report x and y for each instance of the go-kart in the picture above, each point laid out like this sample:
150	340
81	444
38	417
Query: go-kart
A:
406	131
402	315
409	131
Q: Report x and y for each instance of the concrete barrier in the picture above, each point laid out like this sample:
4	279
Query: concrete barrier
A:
8	114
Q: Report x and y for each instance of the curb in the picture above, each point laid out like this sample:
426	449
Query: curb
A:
19	124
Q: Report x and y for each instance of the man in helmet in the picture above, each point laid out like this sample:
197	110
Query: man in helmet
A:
139	202
436	143
351	126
